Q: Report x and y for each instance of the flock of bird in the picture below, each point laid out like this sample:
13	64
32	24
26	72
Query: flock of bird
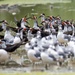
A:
50	42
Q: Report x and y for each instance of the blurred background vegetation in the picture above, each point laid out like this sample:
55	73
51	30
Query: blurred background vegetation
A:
33	1
63	8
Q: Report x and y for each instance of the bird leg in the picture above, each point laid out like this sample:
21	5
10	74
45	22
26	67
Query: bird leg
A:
46	67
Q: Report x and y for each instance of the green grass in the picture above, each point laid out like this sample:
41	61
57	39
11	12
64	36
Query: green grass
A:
11	2
37	73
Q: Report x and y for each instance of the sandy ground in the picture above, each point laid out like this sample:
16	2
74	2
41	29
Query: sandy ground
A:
13	69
